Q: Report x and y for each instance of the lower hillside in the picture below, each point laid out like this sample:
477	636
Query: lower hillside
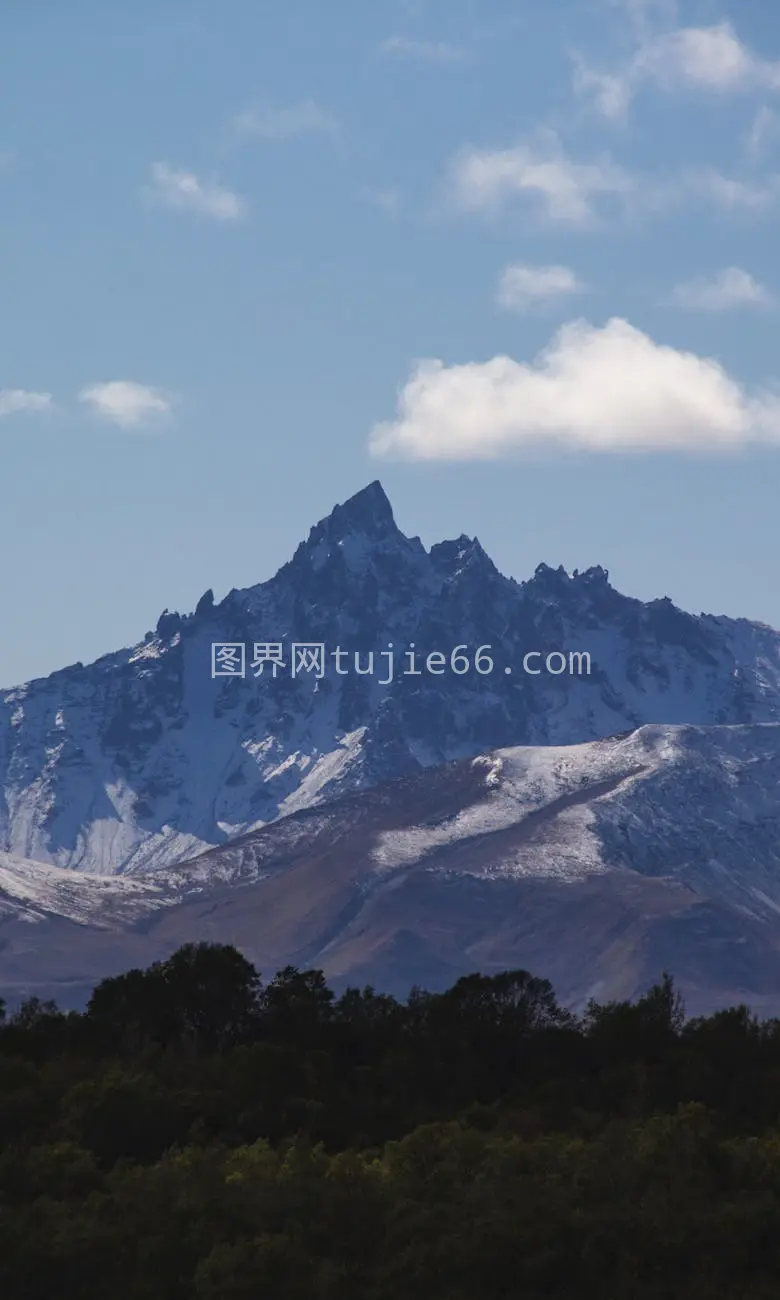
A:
199	1133
594	865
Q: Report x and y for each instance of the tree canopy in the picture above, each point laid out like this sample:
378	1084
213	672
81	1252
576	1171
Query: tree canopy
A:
197	1132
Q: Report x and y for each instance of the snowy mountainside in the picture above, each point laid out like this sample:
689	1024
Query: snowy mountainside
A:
596	865
32	891
698	804
142	759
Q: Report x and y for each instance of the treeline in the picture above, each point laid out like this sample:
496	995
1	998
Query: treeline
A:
196	1133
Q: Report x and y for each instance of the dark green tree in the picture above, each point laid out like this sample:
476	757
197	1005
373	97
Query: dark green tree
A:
204	993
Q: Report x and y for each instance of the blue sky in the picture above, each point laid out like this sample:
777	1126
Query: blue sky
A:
516	260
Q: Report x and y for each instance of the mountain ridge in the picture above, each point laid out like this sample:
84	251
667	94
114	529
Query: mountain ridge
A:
142	759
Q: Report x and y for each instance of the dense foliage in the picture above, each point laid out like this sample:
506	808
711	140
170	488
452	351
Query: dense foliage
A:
197	1134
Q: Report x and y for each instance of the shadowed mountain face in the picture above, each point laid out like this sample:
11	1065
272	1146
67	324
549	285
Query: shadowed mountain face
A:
596	866
142	758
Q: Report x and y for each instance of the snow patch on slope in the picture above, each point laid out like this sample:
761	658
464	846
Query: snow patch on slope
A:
523	783
31	890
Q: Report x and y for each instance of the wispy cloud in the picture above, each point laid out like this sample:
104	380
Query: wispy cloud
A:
128	404
764	128
609	389
609	92
711	59
564	189
14	401
582	193
708	58
389	199
269	123
730	288
730	193
526	286
187	192
645	14
426	51
705	187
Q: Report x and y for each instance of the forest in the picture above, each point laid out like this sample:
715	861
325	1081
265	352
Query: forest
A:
199	1133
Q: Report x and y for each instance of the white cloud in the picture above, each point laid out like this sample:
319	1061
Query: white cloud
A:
580	193
763	129
524	286
644	13
730	288
710	59
610	92
609	389
700	186
271	123
389	200
567	191
184	190
126	403
729	192
17	400
428	51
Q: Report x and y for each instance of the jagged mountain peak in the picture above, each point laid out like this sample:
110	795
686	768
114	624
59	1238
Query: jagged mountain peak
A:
546	576
369	510
588	589
559	579
360	540
594	576
462	555
368	513
351	538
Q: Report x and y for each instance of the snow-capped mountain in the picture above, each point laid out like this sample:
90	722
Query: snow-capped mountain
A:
595	865
143	758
